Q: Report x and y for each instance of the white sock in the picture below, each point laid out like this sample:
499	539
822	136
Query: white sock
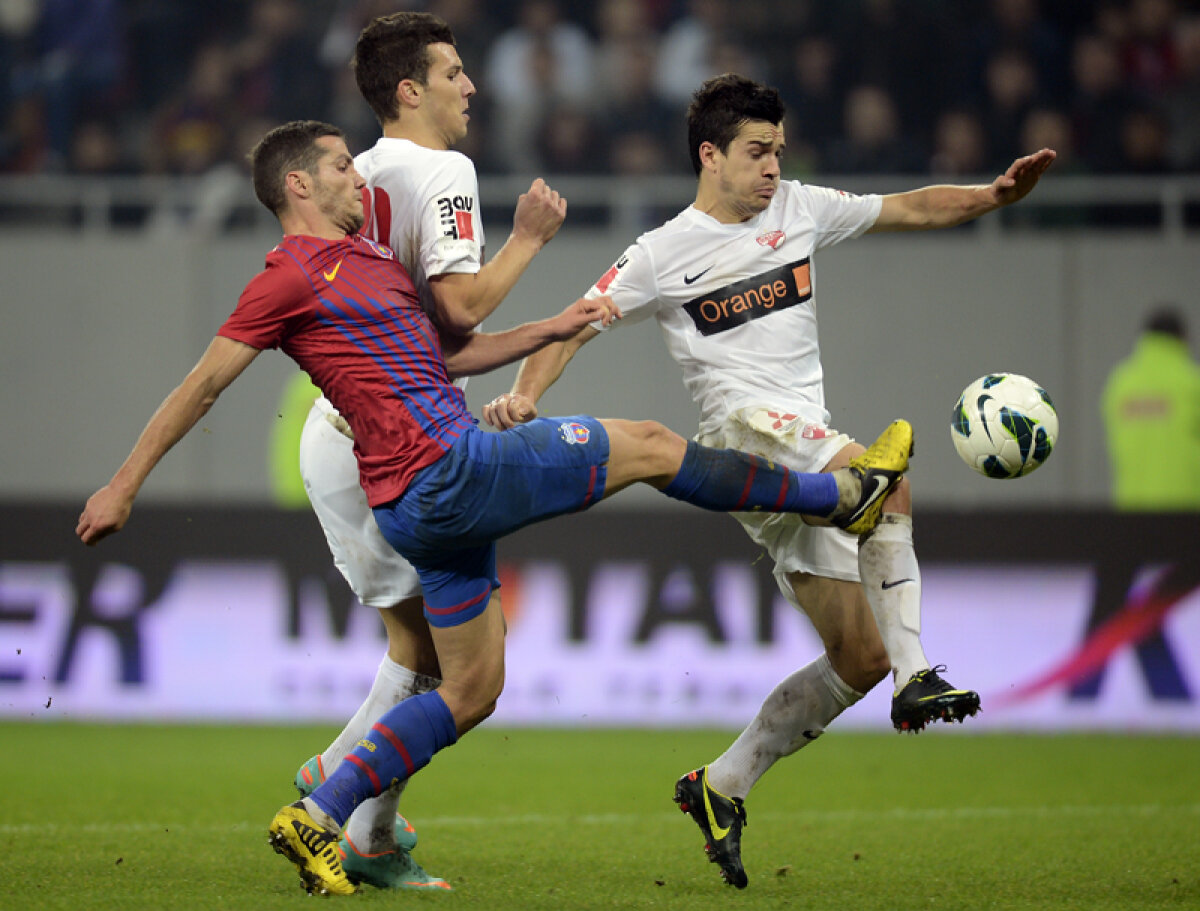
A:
891	578
371	825
793	715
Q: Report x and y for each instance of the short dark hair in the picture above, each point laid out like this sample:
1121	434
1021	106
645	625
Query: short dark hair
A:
1167	319
291	147
391	49
722	105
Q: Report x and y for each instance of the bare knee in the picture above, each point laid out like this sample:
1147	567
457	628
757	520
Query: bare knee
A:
861	661
474	699
643	451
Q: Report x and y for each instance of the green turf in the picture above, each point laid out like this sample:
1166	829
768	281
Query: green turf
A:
133	817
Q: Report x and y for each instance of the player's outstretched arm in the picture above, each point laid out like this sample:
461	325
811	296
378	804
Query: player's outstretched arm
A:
483	351
537	373
464	300
946	206
108	508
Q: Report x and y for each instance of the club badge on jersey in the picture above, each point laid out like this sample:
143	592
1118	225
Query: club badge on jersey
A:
379	249
573	433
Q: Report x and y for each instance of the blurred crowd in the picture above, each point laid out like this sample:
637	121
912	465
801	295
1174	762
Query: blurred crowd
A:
943	87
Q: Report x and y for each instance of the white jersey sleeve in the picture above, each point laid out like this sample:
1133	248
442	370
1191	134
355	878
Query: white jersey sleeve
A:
450	229
838	215
632	284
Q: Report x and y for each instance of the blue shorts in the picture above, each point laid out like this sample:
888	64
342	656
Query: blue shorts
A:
486	486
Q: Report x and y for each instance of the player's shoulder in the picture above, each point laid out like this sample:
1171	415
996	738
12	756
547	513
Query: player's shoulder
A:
283	273
668	231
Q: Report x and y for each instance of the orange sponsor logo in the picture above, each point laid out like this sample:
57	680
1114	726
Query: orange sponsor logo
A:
752	298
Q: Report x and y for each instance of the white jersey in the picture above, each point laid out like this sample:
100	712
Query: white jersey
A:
737	302
425	206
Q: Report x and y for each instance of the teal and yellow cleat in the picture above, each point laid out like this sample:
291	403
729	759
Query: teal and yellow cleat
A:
926	697
720	818
392	870
312	848
312	773
878	470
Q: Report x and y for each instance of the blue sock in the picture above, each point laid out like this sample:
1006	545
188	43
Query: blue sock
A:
728	480
400	743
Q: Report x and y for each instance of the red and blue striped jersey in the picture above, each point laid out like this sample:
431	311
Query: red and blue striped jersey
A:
347	313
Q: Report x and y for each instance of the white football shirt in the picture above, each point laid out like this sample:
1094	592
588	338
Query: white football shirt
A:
737	303
425	206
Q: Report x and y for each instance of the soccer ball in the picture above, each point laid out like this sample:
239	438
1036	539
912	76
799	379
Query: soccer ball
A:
1004	425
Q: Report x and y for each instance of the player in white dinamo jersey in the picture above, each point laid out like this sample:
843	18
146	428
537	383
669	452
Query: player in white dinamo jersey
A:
423	203
732	284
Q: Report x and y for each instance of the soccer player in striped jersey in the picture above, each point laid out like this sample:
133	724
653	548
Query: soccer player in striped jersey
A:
422	201
732	285
442	490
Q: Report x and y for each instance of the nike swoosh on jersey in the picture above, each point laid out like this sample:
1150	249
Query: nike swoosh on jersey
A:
886	585
689	279
332	274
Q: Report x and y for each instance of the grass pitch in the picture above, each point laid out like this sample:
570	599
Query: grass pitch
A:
155	817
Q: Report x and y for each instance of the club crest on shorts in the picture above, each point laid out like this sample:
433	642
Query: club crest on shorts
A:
574	432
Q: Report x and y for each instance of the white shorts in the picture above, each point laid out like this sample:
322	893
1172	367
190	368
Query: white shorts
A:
378	575
801	446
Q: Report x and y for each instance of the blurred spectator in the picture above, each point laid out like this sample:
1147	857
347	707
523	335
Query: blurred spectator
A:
569	142
959	147
624	34
703	42
1148	54
1151	409
873	142
811	89
24	146
537	64
96	149
192	131
1099	103
1182	103
636	119
79	64
1012	90
336	46
162	39
1050	128
1021	25
275	60
1144	143
900	45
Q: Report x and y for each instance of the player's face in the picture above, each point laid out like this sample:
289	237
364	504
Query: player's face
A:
748	171
337	186
447	94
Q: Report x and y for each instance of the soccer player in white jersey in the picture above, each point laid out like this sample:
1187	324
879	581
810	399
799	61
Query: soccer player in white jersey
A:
731	283
423	202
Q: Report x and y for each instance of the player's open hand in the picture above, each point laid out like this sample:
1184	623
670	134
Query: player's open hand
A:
105	513
1022	176
583	312
540	213
509	410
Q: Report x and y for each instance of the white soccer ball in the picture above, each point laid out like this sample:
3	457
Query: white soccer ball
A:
1004	425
